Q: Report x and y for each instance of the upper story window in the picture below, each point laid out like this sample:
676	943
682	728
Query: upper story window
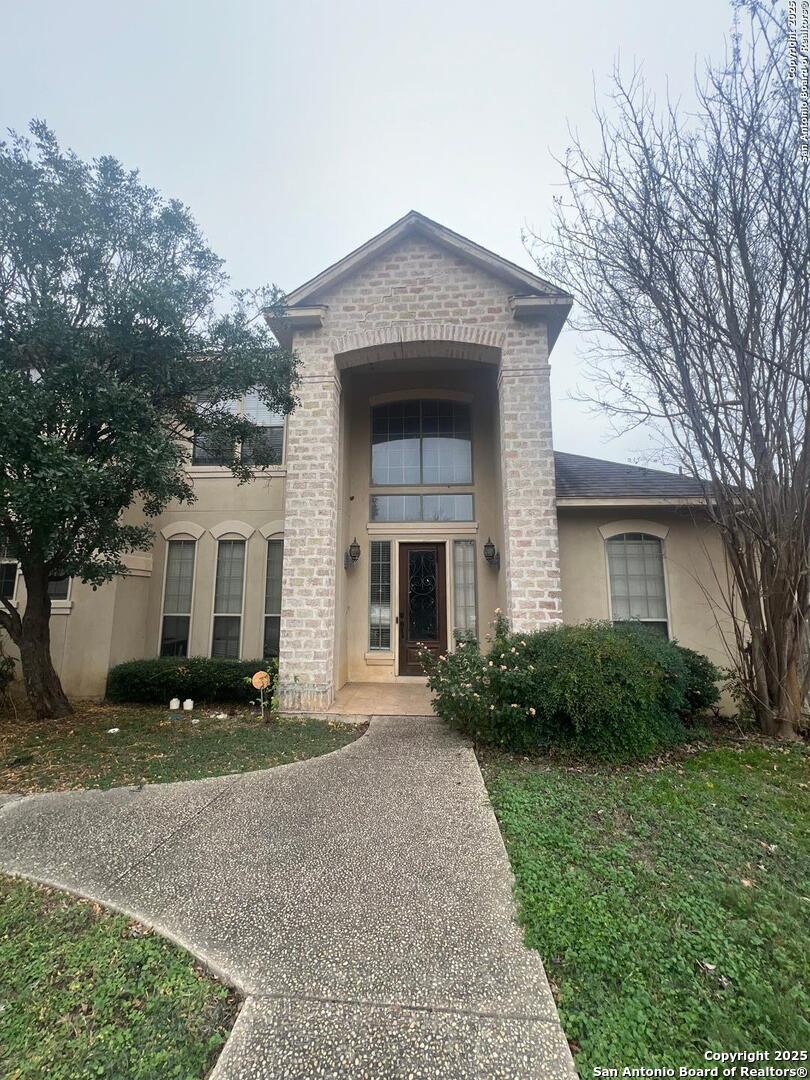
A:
421	442
266	446
443	507
637	589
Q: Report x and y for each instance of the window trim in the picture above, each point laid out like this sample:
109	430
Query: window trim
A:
268	540
654	532
228	614
420	396
167	541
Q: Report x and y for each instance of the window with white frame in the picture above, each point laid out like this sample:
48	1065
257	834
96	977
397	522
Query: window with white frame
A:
465	618
637	587
8	571
177	593
379	601
60	589
264	447
272	598
229	590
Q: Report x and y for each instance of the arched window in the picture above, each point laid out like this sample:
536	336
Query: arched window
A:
637	589
421	442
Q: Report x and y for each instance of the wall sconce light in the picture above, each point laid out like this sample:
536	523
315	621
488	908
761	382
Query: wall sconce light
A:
352	554
492	555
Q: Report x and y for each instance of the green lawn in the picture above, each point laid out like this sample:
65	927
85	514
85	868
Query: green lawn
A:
670	902
150	747
86	994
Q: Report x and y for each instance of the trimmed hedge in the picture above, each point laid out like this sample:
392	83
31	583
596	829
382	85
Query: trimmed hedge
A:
202	678
620	692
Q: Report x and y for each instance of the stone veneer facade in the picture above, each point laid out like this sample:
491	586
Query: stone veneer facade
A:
415	295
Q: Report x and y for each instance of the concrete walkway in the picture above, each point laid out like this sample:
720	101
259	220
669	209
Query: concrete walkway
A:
361	901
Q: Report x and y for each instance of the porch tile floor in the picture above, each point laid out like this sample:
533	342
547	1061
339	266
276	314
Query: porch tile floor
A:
362	902
382	699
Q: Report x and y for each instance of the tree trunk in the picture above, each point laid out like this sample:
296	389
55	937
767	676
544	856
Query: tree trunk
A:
790	715
42	685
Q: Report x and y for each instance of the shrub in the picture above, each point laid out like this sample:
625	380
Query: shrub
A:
702	678
201	678
617	691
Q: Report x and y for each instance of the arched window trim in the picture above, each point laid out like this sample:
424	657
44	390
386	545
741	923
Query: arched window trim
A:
234	530
631	525
182	530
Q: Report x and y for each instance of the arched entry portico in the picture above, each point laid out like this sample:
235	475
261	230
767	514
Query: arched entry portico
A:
379	320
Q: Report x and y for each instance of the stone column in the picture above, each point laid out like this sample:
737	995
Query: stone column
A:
530	553
306	661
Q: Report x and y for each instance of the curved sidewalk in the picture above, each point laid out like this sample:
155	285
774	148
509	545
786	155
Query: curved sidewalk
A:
361	900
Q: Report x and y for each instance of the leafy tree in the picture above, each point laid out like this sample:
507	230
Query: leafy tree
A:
114	349
686	238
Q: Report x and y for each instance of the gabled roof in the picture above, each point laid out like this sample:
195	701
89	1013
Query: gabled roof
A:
592	478
522	283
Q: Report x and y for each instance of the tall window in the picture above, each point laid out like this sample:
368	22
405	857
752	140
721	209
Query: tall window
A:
637	590
8	571
228	592
464	606
177	598
379	604
421	442
272	597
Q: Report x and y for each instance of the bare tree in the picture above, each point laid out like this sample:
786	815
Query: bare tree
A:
685	238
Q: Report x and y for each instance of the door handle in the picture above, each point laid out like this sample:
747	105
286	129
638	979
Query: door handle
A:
401	621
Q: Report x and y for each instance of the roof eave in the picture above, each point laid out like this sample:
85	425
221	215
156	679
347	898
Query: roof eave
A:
630	500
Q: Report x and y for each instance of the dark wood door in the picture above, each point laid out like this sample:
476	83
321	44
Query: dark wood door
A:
422	604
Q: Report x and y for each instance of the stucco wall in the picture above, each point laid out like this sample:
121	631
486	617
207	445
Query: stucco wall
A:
693	561
220	499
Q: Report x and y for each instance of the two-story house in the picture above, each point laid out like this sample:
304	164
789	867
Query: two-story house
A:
416	491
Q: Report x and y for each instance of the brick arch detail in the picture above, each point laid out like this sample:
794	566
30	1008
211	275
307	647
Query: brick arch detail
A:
404	333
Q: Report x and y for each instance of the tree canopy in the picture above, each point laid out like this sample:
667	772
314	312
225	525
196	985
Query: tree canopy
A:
685	236
116	348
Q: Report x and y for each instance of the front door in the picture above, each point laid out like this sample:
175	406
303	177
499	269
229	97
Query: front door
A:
422	604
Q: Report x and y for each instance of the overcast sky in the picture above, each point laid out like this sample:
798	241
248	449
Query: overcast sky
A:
297	130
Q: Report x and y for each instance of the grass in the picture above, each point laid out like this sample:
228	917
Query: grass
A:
670	901
88	994
150	747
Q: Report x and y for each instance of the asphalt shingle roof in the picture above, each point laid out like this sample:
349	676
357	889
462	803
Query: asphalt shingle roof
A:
592	478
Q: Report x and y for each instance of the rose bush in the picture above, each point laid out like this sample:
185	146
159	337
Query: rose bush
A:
617	691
